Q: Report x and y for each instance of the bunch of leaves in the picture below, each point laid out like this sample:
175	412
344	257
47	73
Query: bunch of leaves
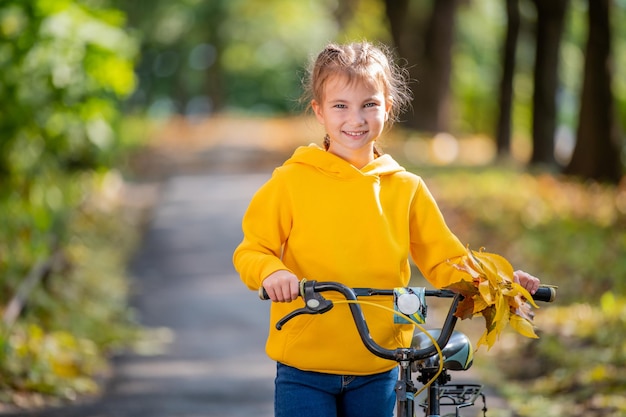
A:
493	293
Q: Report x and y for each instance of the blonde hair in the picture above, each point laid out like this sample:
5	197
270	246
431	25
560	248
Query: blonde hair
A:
363	62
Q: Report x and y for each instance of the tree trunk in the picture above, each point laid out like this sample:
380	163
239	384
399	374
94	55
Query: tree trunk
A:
597	152
550	23
503	129
428	51
397	14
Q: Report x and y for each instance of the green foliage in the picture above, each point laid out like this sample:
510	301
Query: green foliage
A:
367	19
65	66
476	63
619	56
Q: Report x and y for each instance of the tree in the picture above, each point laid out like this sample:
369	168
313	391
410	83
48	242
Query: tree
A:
597	152
503	129
427	46
550	24
65	67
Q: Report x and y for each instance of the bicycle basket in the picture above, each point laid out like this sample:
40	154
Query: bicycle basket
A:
458	353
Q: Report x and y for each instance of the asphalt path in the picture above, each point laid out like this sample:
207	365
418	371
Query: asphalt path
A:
205	357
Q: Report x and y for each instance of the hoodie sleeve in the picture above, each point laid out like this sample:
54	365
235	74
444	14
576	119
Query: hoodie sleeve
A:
432	242
266	225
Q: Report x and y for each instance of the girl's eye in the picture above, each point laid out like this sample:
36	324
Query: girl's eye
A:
371	104
340	106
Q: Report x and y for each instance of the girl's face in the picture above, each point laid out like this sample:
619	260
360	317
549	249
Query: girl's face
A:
354	116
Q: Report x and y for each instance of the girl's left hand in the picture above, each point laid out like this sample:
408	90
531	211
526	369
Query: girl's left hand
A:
529	282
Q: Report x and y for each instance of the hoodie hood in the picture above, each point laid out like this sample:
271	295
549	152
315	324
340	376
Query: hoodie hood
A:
334	166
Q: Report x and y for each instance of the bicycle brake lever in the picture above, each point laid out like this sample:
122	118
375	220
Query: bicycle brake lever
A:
314	304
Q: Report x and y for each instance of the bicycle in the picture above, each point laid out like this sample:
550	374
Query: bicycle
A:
423	356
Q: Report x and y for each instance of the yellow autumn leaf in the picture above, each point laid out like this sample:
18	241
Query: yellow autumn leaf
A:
486	267
472	262
523	326
483	340
488	338
498	264
503	314
485	289
472	268
515	290
479	305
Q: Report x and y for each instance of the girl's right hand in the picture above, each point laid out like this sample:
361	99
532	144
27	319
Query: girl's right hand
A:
282	286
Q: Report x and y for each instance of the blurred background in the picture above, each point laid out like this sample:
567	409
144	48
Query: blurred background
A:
517	124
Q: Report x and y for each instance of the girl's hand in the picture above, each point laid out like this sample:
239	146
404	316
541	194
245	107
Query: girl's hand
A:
282	286
530	283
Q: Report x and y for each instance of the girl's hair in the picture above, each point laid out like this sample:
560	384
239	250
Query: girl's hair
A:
363	62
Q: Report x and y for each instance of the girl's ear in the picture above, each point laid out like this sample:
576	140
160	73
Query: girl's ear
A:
388	106
317	109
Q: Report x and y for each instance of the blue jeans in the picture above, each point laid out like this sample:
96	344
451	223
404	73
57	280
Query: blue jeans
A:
313	394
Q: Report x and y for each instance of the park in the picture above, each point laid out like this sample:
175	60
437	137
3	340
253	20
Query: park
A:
134	136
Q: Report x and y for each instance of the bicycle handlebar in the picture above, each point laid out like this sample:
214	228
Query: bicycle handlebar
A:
315	303
545	293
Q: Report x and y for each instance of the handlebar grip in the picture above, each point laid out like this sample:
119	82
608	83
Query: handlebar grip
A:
545	293
263	294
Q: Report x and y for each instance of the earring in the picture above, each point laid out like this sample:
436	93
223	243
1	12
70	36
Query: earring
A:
326	142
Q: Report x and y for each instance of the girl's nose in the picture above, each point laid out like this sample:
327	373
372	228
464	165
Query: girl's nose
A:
357	117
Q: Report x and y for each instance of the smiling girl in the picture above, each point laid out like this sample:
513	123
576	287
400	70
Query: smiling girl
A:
344	212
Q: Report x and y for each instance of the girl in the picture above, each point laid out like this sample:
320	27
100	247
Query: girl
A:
346	213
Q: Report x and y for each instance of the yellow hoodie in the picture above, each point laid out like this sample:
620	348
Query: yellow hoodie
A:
325	220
